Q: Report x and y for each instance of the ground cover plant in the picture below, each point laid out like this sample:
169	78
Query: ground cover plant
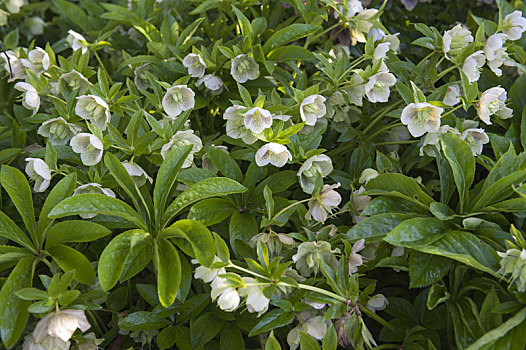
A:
296	174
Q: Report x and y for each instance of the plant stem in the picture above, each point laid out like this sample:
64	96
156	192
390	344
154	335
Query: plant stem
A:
288	207
377	318
234	266
388	127
451	111
444	72
381	115
397	143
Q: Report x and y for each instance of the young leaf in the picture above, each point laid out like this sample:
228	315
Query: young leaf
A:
168	270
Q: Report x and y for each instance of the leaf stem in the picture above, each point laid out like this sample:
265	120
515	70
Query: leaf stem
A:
377	318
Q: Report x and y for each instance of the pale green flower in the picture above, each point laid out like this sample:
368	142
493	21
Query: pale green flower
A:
178	99
323	203
493	102
455	40
77	41
272	153
58	131
514	25
243	68
212	83
472	65
310	255
195	64
60	324
377	302
76	80
257	119
452	95
513	262
89	146
421	118
256	300
36	25
94	109
138	175
319	164
37	61
228	298
235	124
476	139
183	138
30	97
377	87
312	108
38	171
495	52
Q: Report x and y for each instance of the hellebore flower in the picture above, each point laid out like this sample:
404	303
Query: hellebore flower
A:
323	203
321	164
514	25
183	138
58	131
244	68
377	87
273	153
94	109
495	52
92	188
310	255
89	146
235	124
195	64
355	259
455	40
421	117
312	108
212	83
178	99
77	41
138	175
493	102
452	95
30	98
256	300
476	139
257	119
60	324
473	64
39	171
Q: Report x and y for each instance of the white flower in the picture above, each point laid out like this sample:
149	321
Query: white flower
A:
183	138
493	102
89	146
452	95
355	259
431	140
47	343
360	25
357	90
320	164
257	119
140	77
473	64
92	188
39	171
514	25
178	99
14	6
60	324
353	7
37	61
380	51
367	175
207	274
76	80
212	83
14	65
323	203
256	300
243	68
58	131
421	118
228	296
312	108
36	25
4	15
94	109
77	41
495	51
358	203
235	124
455	40
273	153
377	302
475	138
30	99
138	175
377	87
195	64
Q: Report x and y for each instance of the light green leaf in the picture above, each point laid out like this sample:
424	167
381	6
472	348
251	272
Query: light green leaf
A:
288	34
75	231
401	186
374	228
501	331
211	211
272	342
199	237
426	269
417	232
9	230
70	259
168	270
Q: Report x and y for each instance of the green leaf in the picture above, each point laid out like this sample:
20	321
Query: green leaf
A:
231	337
31	294
167	337
290	53
416	232
9	230
212	187
462	162
426	269
62	190
141	253
204	329
142	321
70	259
200	238
211	211
224	162
96	203
330	340
401	186
288	34
272	342
74	13
271	320
166	178
374	228
75	231
113	257
12	308
243	226
437	295
168	271
307	342
17	187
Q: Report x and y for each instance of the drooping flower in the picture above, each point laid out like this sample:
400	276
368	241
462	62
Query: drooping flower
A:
476	139
473	64
323	203
455	40
178	99
138	175
312	108
358	203
273	153
140	77
94	109
207	274
77	41
421	117
514	25
353	7
37	61
235	124
360	26
39	171
312	325
355	259
377	87
377	302
212	83
493	102
92	188
380	51
257	119
58	131
513	261
256	300
228	298
356	91
495	52
76	80
89	342
452	95
183	138
243	68
89	146
310	255
319	164
367	175
274	241
195	64
60	324
13	65
30	98
47	343
36	25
